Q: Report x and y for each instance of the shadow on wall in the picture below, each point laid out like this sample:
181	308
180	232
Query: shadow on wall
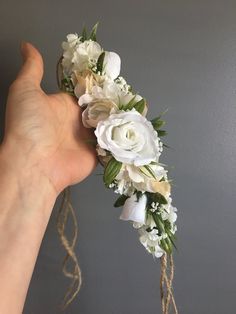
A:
9	67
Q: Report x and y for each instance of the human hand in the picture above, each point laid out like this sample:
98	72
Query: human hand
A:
44	133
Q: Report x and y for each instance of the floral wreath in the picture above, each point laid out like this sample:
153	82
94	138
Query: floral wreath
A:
129	148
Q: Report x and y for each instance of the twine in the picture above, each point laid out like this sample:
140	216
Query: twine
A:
166	284
65	211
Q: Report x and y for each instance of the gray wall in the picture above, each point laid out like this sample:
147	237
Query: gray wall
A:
180	55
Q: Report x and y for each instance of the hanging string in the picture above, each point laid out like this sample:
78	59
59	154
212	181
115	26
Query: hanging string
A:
166	284
65	212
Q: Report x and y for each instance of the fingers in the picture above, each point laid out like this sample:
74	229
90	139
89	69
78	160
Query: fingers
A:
32	68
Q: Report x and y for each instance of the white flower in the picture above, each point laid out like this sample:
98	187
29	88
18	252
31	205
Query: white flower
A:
151	241
69	48
135	209
142	180
86	55
168	212
111	90
130	138
111	64
85	81
121	82
98	110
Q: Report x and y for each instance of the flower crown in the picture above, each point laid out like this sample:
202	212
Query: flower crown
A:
127	144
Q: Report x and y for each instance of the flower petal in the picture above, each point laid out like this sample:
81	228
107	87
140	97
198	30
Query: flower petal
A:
135	210
112	64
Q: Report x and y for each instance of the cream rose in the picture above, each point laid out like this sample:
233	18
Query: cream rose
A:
98	110
130	138
84	82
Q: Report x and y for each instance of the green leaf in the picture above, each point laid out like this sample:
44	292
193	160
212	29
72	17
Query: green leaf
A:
167	146
149	170
130	104
111	171
140	105
166	245
158	198
100	62
93	34
120	201
84	34
161	133
159	222
157	123
172	239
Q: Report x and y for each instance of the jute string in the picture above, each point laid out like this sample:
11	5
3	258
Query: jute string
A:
166	284
65	212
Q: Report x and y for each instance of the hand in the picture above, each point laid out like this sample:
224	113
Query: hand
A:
44	133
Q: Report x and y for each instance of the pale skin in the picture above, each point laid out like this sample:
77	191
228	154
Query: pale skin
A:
44	150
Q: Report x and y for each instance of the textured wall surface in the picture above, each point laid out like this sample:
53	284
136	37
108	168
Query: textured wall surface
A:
180	55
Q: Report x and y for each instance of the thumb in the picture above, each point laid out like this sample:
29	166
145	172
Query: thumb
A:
32	68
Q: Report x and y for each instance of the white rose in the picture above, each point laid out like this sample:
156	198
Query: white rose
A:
112	64
130	138
135	209
96	111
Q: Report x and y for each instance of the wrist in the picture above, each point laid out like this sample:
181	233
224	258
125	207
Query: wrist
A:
26	201
25	182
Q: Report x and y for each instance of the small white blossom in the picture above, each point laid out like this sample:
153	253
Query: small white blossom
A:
151	241
168	212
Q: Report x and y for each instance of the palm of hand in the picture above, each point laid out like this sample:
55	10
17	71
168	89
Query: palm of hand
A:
47	131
